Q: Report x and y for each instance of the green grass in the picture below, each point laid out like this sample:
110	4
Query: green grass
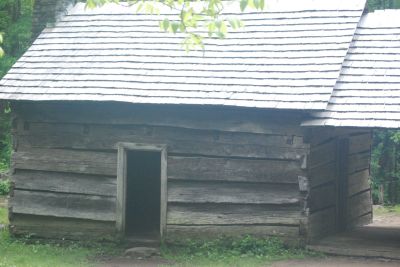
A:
3	216
385	210
25	252
221	252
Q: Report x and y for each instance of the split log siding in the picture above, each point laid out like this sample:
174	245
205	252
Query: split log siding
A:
359	211
229	172
324	178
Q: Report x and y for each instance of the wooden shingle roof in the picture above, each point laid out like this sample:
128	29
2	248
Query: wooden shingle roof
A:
287	57
367	93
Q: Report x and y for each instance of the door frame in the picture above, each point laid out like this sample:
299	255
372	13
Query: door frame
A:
123	148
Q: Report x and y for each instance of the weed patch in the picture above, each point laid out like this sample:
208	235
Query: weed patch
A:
248	251
5	187
387	209
3	216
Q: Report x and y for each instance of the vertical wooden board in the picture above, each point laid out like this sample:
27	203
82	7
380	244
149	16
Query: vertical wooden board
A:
164	193
359	204
65	182
63	160
238	170
235	193
358	182
78	206
232	214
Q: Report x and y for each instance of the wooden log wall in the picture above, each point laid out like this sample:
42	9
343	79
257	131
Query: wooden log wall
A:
230	171
324	175
359	202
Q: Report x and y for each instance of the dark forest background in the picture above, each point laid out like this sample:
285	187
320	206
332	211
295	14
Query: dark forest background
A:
15	25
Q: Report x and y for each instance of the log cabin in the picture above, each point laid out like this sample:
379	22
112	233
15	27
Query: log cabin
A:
118	132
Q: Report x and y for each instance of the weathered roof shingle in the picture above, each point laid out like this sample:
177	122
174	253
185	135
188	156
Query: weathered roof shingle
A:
288	57
367	93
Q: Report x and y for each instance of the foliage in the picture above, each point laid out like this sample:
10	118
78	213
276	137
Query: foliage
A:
385	169
224	251
5	138
385	172
383	4
193	15
1	49
5	187
15	24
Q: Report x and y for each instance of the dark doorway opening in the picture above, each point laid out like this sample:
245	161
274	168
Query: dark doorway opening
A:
143	180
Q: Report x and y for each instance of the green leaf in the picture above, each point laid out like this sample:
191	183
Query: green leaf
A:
235	23
175	26
90	4
223	28
139	7
165	24
243	4
1	52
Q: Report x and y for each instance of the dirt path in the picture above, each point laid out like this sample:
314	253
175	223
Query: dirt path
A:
389	219
123	262
337	262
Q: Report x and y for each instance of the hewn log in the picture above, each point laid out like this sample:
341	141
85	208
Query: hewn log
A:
236	193
361	220
97	131
65	182
358	162
66	228
179	140
358	182
322	197
228	214
62	160
179	232
322	154
359	205
319	135
239	170
194	117
63	205
323	174
360	143
322	223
